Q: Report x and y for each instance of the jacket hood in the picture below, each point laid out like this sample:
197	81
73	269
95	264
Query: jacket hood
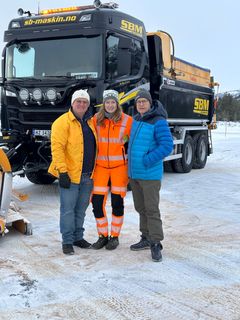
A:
156	111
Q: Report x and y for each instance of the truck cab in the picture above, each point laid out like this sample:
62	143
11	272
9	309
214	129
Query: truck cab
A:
50	55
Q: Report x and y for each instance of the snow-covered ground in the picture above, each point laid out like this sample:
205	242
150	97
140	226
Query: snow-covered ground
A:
199	277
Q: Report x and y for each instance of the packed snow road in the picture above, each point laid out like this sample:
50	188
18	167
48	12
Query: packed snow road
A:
199	277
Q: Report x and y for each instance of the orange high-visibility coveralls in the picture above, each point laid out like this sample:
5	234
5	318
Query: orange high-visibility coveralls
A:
111	166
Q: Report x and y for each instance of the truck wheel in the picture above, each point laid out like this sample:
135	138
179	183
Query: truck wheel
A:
201	151
184	164
40	177
168	166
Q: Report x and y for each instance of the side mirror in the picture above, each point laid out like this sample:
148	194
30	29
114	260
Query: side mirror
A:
124	43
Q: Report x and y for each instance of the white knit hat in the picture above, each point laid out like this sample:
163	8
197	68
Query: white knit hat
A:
80	94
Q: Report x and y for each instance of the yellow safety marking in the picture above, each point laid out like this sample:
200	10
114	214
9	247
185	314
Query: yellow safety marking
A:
129	97
4	162
121	94
2	226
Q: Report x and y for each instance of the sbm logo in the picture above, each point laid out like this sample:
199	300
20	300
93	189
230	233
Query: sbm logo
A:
201	106
131	27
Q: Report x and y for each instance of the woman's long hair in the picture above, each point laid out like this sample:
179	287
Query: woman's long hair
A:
115	117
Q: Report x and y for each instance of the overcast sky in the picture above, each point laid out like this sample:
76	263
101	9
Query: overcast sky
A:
205	32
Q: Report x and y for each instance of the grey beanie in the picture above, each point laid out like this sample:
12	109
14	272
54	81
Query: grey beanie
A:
143	93
110	94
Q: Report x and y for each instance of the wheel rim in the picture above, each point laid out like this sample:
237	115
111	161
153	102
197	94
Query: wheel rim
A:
188	154
203	150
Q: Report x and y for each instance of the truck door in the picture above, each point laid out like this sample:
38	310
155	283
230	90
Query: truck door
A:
155	64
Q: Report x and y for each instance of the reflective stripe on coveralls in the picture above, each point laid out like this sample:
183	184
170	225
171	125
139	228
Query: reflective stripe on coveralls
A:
121	132
116	226
100	189
99	201
119	190
111	158
102	226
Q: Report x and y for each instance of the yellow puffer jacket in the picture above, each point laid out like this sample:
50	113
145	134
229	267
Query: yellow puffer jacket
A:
67	146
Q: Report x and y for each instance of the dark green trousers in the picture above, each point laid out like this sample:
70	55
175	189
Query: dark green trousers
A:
146	197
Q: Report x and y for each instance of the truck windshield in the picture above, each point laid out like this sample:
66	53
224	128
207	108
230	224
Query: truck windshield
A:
70	57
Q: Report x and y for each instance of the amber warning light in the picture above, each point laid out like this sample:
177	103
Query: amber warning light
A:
69	9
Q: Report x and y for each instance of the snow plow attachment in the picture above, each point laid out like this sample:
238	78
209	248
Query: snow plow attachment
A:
9	212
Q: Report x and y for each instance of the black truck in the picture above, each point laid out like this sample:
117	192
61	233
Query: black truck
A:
51	54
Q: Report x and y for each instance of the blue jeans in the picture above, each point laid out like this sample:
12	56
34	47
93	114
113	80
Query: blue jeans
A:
73	205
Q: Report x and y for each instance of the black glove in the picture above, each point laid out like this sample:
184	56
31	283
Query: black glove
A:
64	180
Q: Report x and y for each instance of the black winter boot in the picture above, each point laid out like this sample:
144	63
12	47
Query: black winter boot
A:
156	248
84	244
141	245
112	244
102	241
68	249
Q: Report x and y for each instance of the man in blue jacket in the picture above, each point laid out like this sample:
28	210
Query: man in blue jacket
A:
150	142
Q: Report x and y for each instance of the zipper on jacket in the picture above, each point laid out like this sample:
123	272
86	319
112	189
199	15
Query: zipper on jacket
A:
123	154
130	145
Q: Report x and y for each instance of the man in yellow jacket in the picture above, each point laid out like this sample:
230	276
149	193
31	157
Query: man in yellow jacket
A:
73	145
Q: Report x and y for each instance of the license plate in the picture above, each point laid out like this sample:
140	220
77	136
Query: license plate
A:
41	133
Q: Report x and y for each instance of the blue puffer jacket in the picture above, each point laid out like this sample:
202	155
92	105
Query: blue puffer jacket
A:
150	142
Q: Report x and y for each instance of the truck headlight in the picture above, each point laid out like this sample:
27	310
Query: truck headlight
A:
24	94
10	93
51	94
37	94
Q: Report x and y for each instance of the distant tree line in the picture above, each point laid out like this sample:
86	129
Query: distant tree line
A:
228	108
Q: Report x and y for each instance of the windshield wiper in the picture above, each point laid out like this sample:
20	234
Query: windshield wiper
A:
24	79
63	76
75	76
85	81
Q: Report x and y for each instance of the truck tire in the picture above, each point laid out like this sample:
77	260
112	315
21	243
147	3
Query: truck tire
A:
40	177
201	151
184	164
168	166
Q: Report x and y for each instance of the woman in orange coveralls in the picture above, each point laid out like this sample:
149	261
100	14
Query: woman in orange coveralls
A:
113	131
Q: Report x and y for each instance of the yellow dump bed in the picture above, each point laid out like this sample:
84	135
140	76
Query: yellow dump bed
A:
190	72
179	69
